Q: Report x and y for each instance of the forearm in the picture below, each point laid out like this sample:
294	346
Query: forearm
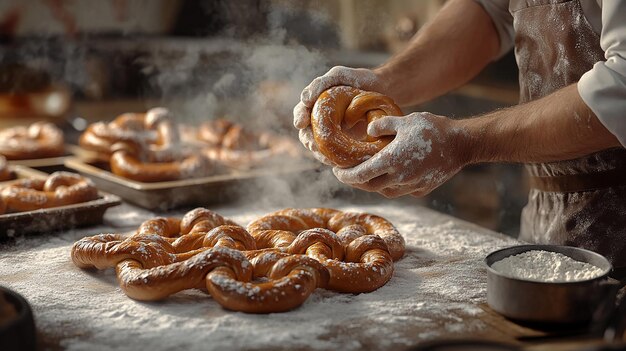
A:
446	53
557	127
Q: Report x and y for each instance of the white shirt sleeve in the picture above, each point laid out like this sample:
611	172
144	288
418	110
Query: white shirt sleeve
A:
603	88
502	19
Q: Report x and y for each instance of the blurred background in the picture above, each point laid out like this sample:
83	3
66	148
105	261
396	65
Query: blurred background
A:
79	61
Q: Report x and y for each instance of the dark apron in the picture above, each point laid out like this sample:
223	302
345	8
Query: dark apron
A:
579	202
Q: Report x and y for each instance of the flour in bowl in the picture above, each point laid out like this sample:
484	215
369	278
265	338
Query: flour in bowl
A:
546	266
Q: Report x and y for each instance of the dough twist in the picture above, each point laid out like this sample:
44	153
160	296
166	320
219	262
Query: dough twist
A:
59	189
146	148
202	250
235	146
40	140
274	268
369	244
130	161
153	128
334	115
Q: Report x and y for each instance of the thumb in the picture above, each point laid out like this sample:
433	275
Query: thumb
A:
387	125
301	116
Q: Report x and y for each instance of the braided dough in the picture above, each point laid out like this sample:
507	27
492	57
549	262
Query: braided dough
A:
167	255
337	111
150	147
40	140
235	146
153	128
271	267
146	147
358	249
58	189
130	161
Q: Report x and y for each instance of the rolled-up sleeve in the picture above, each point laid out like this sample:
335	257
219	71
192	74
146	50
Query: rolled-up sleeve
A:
603	88
502	19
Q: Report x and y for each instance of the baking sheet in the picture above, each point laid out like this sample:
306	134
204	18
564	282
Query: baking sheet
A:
52	219
168	195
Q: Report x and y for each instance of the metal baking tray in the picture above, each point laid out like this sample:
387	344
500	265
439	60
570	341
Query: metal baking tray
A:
163	196
56	218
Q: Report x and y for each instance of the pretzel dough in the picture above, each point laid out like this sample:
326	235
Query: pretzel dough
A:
369	244
159	260
274	268
59	189
40	140
339	109
130	161
235	146
153	128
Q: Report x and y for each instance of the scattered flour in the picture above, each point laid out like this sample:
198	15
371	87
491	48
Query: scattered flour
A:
436	291
546	266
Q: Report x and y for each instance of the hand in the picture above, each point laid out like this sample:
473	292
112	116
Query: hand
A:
306	138
427	151
356	77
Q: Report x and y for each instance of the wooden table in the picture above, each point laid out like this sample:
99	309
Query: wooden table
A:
437	292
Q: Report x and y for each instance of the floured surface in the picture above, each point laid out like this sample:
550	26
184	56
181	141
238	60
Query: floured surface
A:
435	292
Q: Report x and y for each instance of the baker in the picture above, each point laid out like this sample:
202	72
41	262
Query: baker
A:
569	128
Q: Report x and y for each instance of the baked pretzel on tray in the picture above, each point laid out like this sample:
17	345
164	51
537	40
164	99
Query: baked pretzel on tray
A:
58	189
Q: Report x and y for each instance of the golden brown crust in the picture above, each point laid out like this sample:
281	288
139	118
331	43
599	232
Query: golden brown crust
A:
292	280
39	140
159	260
131	162
59	189
312	231
343	107
267	270
233	145
136	128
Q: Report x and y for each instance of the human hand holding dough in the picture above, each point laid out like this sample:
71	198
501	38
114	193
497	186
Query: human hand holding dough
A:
339	121
360	78
425	152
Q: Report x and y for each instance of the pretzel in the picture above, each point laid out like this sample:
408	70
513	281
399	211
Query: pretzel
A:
274	268
5	172
59	189
371	244
337	111
212	132
153	128
130	161
40	140
168	255
233	145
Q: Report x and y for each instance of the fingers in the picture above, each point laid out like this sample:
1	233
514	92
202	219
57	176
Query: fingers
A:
301	116
316	87
306	138
384	126
376	166
338	75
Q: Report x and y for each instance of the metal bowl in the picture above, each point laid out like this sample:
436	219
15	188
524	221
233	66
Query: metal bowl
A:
547	302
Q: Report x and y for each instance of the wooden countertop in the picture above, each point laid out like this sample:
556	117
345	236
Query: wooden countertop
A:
437	292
